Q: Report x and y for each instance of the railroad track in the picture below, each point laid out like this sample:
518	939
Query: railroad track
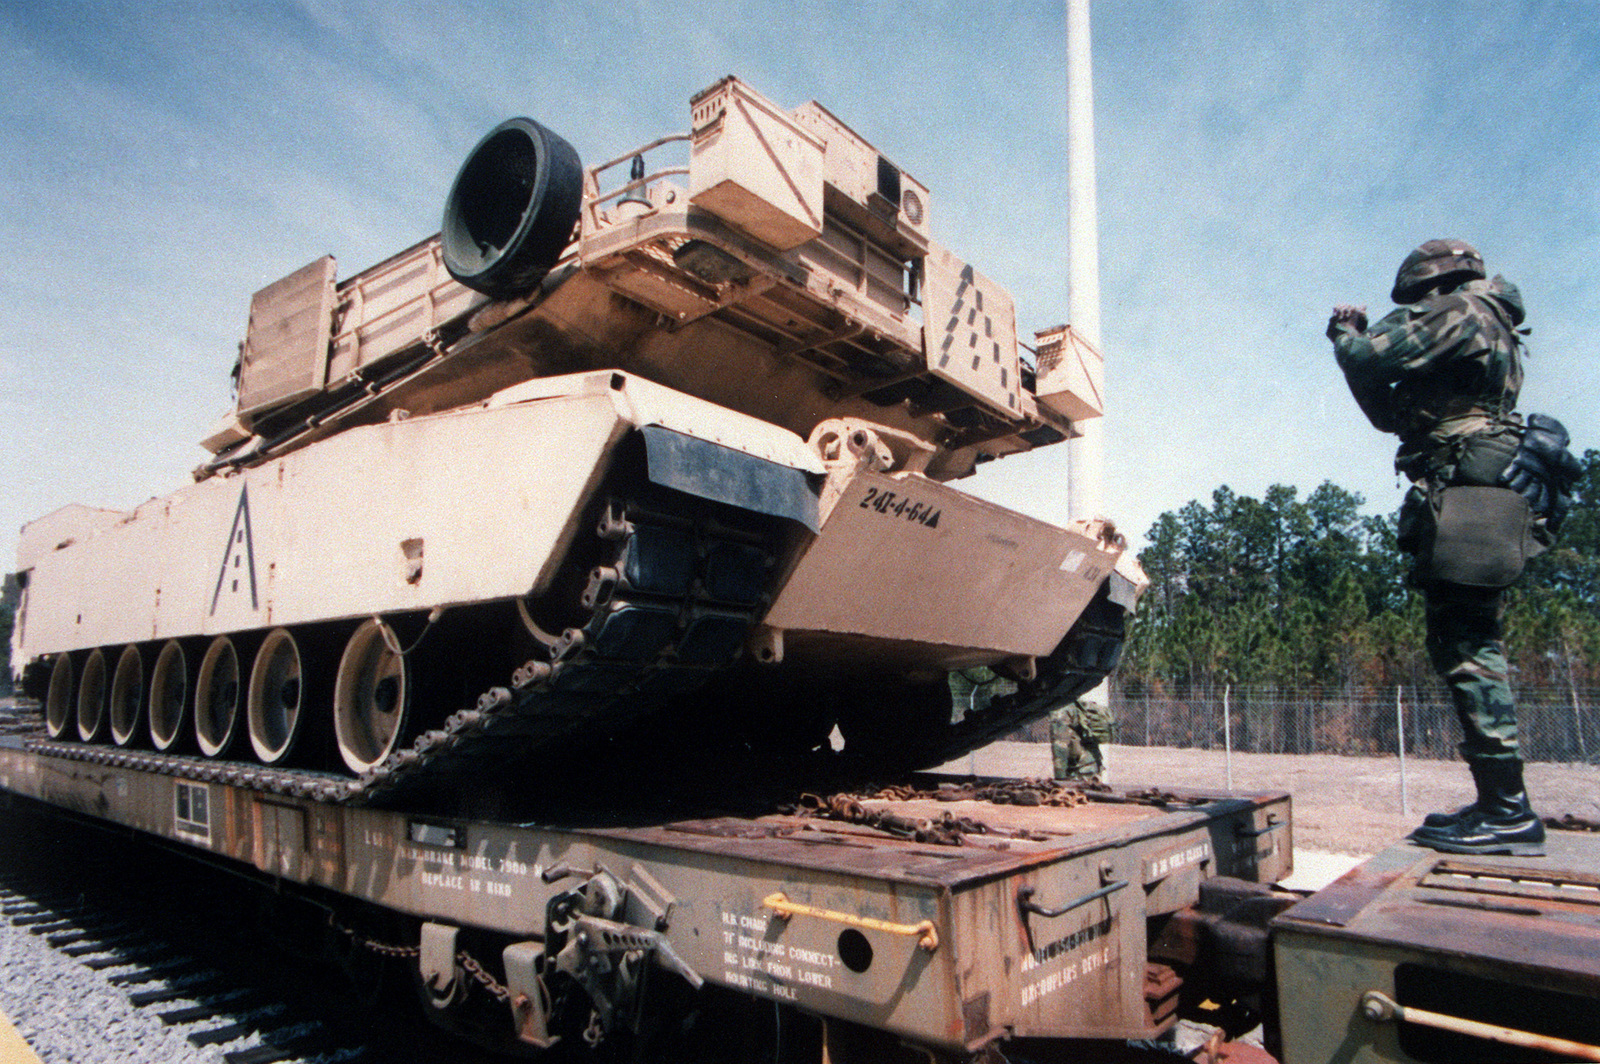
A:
135	955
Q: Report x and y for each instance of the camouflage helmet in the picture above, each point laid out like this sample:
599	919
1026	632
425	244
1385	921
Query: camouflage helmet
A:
1450	261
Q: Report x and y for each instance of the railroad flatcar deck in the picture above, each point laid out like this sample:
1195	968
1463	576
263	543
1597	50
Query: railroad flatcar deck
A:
1034	924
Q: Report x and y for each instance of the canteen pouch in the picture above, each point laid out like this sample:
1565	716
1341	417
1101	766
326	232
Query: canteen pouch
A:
1483	457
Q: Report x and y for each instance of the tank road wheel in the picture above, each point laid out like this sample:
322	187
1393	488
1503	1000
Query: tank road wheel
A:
216	697
92	697
278	684
58	704
169	695
370	696
511	210
127	696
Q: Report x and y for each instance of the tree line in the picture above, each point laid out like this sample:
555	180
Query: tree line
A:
1310	592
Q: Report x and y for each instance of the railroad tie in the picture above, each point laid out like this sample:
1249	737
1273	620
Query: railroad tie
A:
216	1036
262	1054
141	998
101	932
144	975
108	946
242	1001
313	1043
129	955
43	922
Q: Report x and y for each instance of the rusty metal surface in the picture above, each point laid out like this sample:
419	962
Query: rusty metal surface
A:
935	943
1013	837
1542	916
1341	901
1485	932
946	814
1531	881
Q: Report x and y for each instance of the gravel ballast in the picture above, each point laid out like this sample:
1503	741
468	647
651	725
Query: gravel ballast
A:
70	1014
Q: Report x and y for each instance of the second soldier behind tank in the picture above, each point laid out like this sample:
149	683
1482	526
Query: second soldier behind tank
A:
1443	371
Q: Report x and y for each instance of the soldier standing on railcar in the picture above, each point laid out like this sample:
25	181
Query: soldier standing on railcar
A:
1442	371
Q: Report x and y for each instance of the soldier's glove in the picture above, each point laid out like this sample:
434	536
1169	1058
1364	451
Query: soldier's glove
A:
1543	470
1346	317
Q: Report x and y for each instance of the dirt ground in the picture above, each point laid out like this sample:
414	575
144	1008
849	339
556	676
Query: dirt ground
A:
1349	805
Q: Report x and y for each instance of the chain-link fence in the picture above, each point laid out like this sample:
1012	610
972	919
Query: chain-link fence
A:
1561	725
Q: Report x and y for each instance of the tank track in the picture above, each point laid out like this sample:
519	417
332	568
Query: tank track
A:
1084	658
671	606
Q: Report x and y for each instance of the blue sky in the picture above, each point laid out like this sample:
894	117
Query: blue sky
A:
1257	163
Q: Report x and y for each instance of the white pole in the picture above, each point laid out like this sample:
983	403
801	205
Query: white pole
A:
1400	722
1227	733
1085	455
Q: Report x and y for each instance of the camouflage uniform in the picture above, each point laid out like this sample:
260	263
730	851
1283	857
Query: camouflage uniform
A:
971	690
1078	733
1444	374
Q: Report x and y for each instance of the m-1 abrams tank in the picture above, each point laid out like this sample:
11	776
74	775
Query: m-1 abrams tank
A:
627	443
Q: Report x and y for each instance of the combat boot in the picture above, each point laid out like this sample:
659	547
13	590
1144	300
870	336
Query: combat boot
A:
1500	821
1444	820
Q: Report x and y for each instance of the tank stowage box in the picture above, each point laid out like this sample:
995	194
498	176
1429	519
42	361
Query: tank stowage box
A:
624	443
755	167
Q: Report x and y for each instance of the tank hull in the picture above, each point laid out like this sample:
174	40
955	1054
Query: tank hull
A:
479	504
483	516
